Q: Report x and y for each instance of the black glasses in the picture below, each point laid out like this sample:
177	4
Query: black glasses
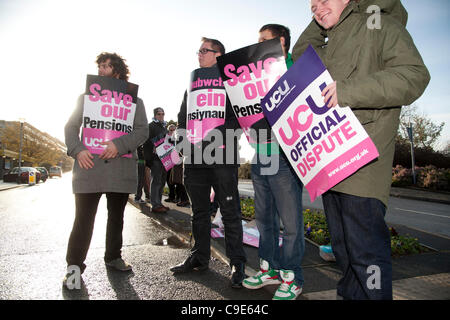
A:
205	51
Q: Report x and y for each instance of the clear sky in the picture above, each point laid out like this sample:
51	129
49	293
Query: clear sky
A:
48	47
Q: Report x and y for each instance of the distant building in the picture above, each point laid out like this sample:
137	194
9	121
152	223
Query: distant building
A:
38	147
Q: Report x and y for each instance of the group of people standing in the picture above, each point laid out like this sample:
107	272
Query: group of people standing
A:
375	72
152	176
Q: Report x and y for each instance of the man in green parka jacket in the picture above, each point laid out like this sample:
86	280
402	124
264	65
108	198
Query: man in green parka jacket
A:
377	69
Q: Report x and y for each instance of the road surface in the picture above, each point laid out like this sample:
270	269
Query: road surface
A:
426	216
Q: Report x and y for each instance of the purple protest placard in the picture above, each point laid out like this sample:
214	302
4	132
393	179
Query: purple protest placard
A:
324	145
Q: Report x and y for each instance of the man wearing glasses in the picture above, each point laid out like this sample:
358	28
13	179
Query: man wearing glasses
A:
207	55
222	177
158	174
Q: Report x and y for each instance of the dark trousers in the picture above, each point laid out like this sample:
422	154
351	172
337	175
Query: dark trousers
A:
224	180
85	210
180	192
159	176
171	186
177	191
361	243
141	183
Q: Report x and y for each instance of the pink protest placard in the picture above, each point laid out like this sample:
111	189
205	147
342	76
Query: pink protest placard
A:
166	152
248	74
217	233
206	103
108	111
250	236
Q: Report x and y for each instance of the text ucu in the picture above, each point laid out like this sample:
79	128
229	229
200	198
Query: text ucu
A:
278	96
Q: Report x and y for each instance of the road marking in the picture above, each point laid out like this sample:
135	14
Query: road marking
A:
426	213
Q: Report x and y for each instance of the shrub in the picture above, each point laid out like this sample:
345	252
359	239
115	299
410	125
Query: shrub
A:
401	177
402	245
428	177
316	229
423	156
244	171
434	178
248	208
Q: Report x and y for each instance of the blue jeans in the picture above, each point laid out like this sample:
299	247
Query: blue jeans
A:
278	195
361	244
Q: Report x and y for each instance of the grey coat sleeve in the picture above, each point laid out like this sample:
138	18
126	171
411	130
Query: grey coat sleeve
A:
130	142
72	130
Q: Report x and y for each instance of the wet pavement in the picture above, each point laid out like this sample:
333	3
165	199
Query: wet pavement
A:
36	222
321	277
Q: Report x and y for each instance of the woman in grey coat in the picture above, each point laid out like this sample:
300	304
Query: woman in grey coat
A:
108	173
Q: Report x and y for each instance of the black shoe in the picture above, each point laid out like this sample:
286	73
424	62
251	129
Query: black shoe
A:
237	275
184	204
189	265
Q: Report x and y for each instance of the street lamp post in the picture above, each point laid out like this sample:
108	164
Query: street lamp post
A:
20	146
413	162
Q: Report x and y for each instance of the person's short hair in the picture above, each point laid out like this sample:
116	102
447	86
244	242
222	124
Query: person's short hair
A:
279	31
117	62
215	44
156	110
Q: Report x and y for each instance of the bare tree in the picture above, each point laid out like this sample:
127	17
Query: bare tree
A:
425	132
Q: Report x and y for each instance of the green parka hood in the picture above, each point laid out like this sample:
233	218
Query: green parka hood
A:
392	7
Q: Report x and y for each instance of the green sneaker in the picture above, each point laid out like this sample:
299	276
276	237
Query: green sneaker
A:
264	277
287	290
